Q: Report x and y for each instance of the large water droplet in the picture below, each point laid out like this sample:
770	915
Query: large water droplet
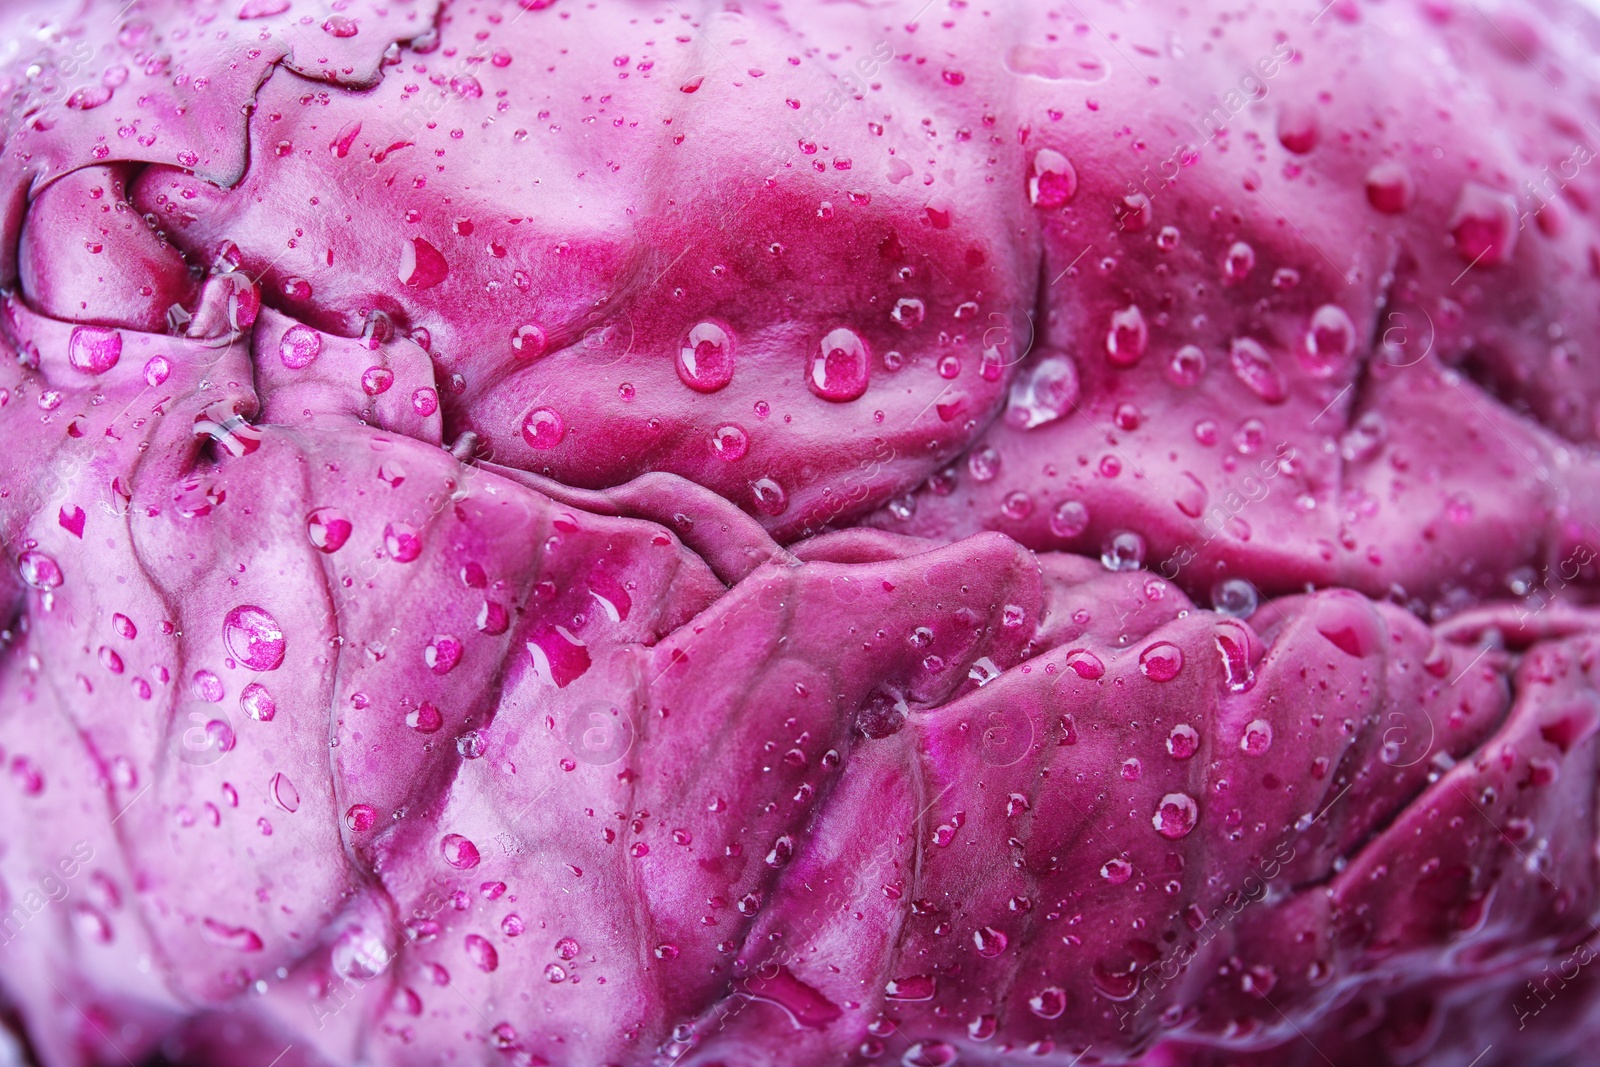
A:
1390	188
1123	551
94	349
1070	518
401	542
840	367
482	953
1161	661
1048	1003
1257	370
1257	738
39	570
544	428
257	702
916	987
1484	226
299	347
284	793
458	852
769	497
328	529
1175	816
1235	597
1053	181
1043	393
422	266
705	361
254	638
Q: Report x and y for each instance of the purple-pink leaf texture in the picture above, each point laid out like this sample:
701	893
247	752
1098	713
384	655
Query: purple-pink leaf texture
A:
780	533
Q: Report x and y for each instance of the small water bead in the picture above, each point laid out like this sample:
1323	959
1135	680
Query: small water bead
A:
729	442
124	626
94	349
908	312
1053	180
1187	366
1183	741
1298	129
299	347
543	428
1168	238
360	817
1235	597
1484	226
1070	518
705	360
425	401
1250	436
1285	278
1161	662
401	542
1238	262
284	793
1175	817
1085	665
984	463
1132	769
207	686
926	1054
529	341
1043	393
471	745
1134	212
1128	337
840	367
1123	551
1257	738
1330	339
156	371
1254	367
1127	417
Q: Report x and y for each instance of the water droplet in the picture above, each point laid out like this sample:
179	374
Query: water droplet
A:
94	349
544	428
984	463
1123	551
1238	262
1128	337
1484	226
930	1054
1257	370
360	817
705	361
257	702
1235	597
284	793
458	852
1390	188
1175	816
1085	665
340	26
424	718
442	653
39	570
1043	393
1048	1003
916	987
1187	366
1330	339
238	938
769	497
1069	519
299	347
422	266
1116	870
839	368
908	312
1233	644
1053	181
254	638
401	542
666	952
156	371
1298	129
1161	661
328	529
1182	741
1167	239
528	341
376	380
1257	738
481	953
989	941
729	442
